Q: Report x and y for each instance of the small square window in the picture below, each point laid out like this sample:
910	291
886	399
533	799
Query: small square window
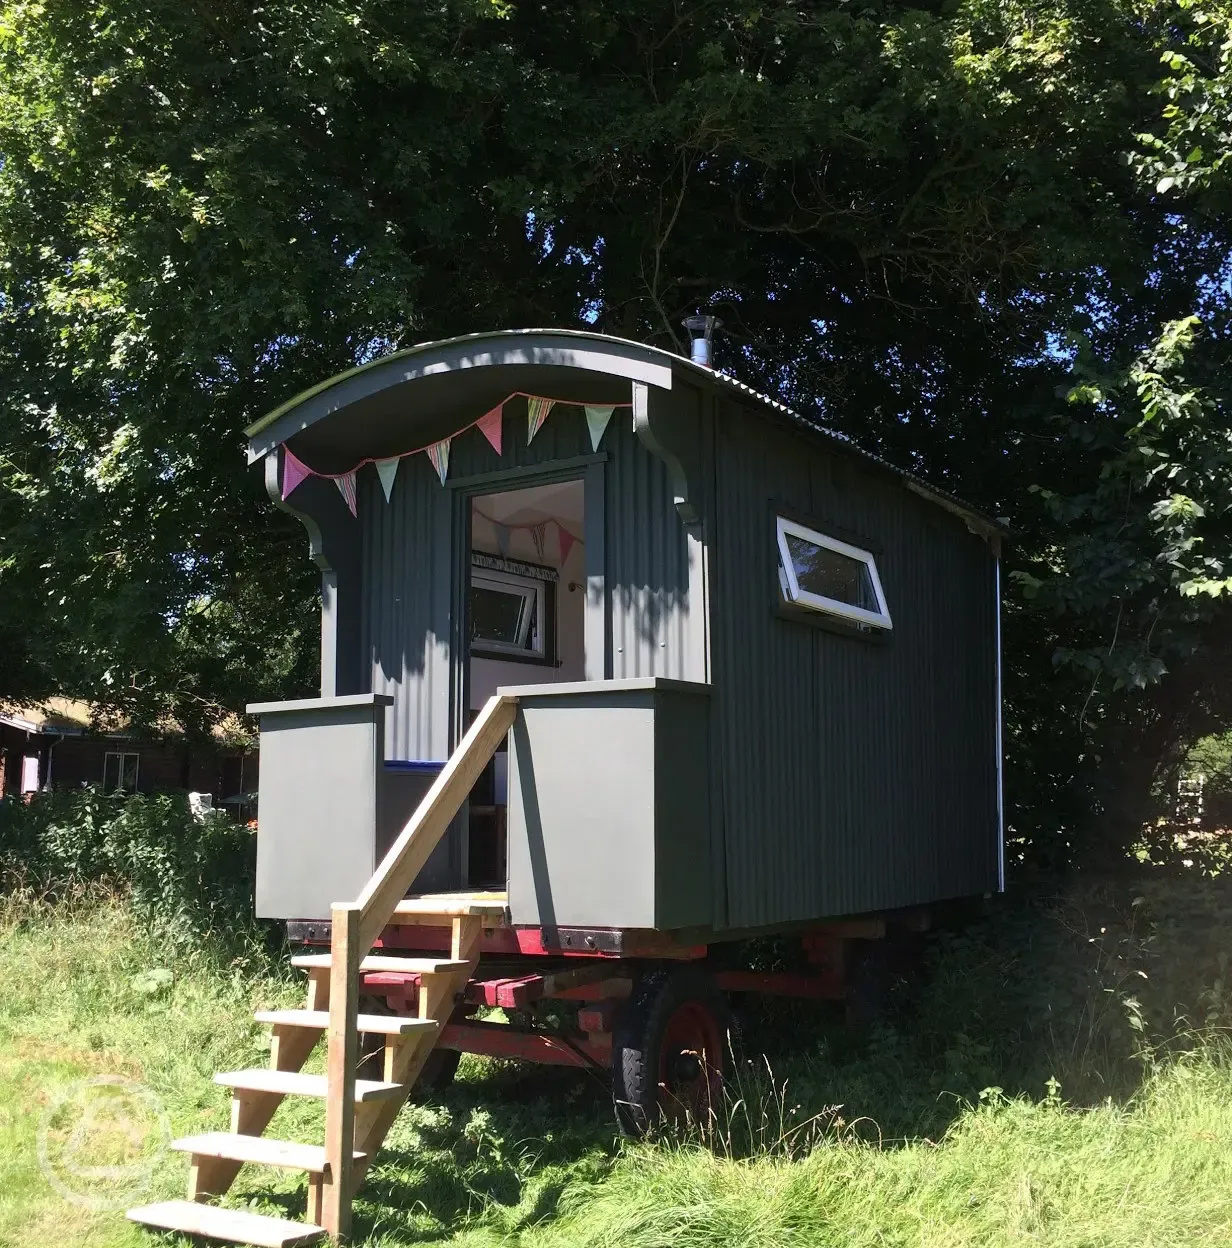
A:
824	574
120	772
507	614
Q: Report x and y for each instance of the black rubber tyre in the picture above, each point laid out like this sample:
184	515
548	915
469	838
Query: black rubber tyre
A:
437	1074
669	1050
870	979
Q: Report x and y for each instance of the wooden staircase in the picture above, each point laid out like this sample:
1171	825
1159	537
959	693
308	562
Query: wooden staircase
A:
358	1112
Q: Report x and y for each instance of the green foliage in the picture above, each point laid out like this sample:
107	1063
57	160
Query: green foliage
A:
1010	1171
183	874
1210	758
904	214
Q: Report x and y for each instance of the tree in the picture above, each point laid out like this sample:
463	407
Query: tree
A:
899	212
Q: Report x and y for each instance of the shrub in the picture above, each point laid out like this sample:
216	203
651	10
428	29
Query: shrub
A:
182	872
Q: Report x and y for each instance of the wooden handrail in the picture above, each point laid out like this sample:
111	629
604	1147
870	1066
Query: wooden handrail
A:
424	829
357	924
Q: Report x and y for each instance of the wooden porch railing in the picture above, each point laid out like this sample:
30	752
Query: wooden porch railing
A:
357	924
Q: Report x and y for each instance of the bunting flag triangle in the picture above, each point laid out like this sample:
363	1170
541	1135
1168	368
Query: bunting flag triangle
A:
346	487
293	471
490	427
438	453
567	542
387	470
536	413
502	538
538	533
596	422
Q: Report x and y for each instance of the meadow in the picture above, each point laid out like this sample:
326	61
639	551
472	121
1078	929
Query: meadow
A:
1059	1075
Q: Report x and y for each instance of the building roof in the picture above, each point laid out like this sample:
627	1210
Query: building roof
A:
71	717
622	357
55	715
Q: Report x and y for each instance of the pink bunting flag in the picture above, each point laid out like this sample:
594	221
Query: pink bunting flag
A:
346	487
567	542
538	534
438	453
536	413
293	471
490	427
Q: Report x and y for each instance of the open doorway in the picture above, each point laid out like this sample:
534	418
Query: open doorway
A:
526	609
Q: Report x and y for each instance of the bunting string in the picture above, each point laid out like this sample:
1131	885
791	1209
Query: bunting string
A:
504	530
295	471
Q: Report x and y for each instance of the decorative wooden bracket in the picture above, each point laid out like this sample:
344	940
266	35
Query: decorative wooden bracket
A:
674	437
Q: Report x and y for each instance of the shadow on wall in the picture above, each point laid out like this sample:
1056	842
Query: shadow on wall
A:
407	548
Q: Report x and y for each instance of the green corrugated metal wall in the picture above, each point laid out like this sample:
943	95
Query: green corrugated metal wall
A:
854	775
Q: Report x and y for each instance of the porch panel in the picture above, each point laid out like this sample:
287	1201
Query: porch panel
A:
329	805
318	802
609	823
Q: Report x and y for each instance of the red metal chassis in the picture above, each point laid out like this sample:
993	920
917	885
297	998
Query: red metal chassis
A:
523	966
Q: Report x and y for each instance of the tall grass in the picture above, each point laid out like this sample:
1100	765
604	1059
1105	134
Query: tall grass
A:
1062	1076
1008	1171
187	875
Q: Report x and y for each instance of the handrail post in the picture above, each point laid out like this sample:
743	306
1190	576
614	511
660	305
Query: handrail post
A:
343	1039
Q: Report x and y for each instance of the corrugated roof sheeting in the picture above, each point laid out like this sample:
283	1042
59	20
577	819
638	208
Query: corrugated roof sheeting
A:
684	369
857	774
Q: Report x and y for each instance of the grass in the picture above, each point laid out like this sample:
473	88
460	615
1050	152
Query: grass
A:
906	1139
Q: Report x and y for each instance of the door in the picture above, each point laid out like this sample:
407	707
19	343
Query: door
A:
534	614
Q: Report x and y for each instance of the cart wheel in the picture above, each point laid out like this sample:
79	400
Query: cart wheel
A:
870	983
437	1074
668	1052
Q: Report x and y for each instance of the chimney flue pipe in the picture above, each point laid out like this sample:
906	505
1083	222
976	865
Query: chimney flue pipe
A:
701	338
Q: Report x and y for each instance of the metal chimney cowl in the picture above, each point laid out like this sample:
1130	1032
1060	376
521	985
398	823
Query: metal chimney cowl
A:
701	337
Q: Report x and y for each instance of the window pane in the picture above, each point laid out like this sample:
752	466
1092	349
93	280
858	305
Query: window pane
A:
111	773
820	570
128	781
498	615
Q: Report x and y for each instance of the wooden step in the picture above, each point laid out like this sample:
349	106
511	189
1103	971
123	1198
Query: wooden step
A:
381	962
491	907
257	1149
292	1083
191	1218
374	1024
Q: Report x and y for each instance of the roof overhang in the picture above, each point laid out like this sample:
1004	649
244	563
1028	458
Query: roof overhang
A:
407	400
415	397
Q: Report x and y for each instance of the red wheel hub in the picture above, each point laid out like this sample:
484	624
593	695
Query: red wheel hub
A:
690	1062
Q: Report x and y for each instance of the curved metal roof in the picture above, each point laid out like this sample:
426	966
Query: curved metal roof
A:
601	353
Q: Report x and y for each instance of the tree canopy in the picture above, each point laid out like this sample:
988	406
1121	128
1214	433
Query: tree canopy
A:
988	238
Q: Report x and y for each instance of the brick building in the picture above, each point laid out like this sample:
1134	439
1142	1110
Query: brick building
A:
60	744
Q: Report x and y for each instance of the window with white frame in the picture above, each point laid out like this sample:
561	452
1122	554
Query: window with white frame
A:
821	573
508	614
120	772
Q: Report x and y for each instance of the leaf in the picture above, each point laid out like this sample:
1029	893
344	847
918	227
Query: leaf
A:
153	982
